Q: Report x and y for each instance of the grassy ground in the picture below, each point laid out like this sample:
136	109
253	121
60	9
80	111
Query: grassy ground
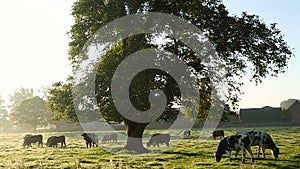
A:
188	153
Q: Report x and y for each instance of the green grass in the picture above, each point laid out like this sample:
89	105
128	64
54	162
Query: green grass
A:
188	153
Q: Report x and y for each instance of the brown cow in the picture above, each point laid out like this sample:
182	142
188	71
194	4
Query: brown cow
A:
218	133
54	140
28	139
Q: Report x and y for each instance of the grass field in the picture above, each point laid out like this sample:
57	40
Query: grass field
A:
188	153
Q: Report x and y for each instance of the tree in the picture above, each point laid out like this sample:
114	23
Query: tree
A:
18	96
4	117
31	111
245	44
60	101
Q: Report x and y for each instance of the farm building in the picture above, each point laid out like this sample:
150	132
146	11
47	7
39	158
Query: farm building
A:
261	115
268	114
292	114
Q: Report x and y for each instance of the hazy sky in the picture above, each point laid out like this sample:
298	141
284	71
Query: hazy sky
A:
273	90
34	46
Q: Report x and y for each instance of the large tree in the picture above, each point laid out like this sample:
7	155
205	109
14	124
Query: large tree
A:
32	112
245	44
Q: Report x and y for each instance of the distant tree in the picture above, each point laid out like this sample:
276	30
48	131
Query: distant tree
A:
43	92
4	117
227	113
287	103
60	101
18	96
31	111
243	43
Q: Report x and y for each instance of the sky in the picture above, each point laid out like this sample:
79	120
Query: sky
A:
34	46
273	90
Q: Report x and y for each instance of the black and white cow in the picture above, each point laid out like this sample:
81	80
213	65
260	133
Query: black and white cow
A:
234	143
261	139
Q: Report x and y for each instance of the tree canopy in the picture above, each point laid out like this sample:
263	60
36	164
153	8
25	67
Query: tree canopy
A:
245	43
32	112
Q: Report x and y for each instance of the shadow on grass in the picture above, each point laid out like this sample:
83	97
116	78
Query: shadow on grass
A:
183	153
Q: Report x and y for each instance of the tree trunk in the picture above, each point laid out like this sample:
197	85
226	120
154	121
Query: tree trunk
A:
134	136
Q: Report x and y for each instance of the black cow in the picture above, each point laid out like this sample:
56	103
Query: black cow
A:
110	137
28	139
157	139
90	139
263	140
54	140
218	133
234	143
186	133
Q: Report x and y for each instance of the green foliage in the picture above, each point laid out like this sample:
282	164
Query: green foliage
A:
19	95
60	101
31	111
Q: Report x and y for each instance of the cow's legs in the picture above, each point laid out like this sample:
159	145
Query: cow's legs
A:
258	151
236	153
263	151
243	155
250	152
229	154
167	144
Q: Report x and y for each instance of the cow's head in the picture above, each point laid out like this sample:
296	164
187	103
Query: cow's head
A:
84	135
218	156
221	150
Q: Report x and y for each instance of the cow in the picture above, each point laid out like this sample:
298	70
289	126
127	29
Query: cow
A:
90	139
54	140
263	140
234	143
186	133
157	139
28	139
110	137
218	133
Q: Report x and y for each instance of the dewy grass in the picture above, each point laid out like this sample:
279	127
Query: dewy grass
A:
188	153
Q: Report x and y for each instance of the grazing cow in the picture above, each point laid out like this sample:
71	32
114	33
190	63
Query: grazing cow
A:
28	139
90	139
186	133
156	139
263	140
234	143
218	133
110	137
54	140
